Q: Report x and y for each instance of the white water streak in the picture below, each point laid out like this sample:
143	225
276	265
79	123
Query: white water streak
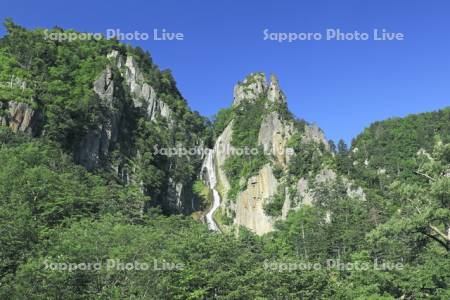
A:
208	166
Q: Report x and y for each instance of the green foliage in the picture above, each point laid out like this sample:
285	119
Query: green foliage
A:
42	189
219	266
424	211
202	192
52	210
222	119
274	205
392	144
308	159
343	160
39	189
239	168
277	171
247	122
56	78
222	218
11	75
247	118
334	227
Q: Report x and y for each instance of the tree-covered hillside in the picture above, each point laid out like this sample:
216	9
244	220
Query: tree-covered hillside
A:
133	205
73	93
53	211
392	144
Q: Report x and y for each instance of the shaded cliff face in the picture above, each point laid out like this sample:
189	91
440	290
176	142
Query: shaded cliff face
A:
21	117
109	87
109	106
125	99
290	159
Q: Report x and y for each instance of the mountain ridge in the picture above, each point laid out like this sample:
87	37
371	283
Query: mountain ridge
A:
90	176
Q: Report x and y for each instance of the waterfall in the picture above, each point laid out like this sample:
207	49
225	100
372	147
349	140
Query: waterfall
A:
208	170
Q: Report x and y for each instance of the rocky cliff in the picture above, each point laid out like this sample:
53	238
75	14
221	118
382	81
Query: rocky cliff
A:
97	142
128	113
20	116
269	192
113	110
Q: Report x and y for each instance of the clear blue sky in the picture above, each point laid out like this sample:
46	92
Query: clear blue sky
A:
342	86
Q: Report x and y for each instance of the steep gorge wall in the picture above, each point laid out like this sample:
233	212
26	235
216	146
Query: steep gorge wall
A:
125	98
275	134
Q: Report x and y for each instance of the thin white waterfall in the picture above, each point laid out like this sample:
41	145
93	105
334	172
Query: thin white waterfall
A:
208	169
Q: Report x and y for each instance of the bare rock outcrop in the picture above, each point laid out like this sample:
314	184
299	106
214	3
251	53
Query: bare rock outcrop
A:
222	150
313	134
250	89
305	194
249	203
274	135
97	142
274	93
143	94
21	117
255	86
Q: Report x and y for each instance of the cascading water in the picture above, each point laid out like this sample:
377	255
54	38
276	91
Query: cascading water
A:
210	172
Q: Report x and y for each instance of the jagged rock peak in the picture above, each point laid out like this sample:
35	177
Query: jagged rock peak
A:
96	143
255	85
143	93
274	93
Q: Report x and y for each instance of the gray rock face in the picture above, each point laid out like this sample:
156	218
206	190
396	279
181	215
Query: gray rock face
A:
96	144
117	58
274	93
325	175
251	88
275	132
255	86
305	190
274	135
21	117
249	203
305	196
143	94
315	135
104	86
88	154
354	191
98	140
175	195
222	150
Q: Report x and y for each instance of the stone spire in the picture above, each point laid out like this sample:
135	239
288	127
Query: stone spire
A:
274	93
255	85
252	87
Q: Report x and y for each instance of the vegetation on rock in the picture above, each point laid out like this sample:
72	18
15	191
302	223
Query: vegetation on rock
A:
53	210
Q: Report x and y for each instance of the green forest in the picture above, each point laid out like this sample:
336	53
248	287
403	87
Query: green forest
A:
393	245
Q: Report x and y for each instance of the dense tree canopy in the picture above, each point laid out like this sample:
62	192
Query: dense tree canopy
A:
52	210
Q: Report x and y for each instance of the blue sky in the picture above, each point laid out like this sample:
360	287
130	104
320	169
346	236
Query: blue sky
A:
343	86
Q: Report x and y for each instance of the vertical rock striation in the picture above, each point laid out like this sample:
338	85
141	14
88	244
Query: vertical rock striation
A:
275	133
